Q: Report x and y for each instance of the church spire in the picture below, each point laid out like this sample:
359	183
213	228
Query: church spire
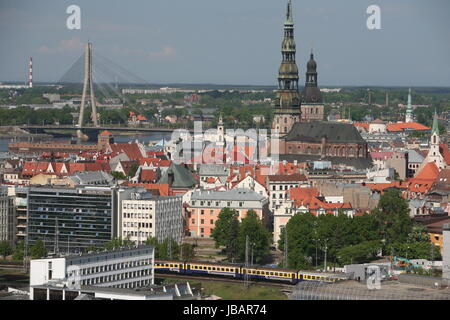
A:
409	111
287	103
289	19
435	129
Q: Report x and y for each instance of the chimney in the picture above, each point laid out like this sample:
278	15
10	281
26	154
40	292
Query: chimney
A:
30	74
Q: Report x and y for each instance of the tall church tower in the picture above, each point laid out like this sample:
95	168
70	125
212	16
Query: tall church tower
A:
220	132
287	103
312	107
434	153
409	111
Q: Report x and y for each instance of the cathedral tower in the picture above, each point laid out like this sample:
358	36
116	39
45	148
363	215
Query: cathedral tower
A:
287	103
312	107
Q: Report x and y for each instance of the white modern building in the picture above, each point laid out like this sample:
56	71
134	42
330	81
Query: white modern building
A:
278	185
142	215
127	268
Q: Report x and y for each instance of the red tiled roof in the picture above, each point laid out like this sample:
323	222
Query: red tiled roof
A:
288	177
429	172
381	155
210	180
300	195
290	168
362	124
445	152
132	150
32	168
141	118
164	189
148	176
402	126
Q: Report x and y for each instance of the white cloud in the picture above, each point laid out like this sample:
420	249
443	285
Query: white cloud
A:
166	52
71	45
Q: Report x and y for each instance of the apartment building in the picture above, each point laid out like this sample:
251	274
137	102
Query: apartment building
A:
142	215
71	219
278	185
205	206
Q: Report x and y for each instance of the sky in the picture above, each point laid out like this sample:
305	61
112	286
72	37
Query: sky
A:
232	41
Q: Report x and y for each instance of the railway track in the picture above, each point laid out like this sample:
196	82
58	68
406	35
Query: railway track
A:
285	287
11	266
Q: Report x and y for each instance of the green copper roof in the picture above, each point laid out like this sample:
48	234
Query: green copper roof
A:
435	128
409	108
182	177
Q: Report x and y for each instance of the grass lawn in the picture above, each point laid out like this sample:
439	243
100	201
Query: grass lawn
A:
232	291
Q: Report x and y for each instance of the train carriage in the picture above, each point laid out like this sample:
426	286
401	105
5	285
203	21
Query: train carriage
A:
272	274
237	271
205	268
169	266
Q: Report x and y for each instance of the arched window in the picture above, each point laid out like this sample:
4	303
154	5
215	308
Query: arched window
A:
351	152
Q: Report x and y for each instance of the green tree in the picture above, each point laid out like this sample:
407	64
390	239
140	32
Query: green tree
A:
92	249
392	215
19	251
38	250
118	175
169	249
259	238
187	251
118	242
359	253
303	234
415	250
232	245
5	249
226	230
152	241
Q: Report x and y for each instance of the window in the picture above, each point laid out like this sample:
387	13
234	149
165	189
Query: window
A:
202	221
211	221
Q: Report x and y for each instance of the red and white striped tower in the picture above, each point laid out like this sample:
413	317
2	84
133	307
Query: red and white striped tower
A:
30	74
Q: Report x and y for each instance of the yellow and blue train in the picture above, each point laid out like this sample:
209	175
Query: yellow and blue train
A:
239	271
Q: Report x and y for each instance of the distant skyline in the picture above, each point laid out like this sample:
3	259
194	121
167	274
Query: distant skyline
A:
232	42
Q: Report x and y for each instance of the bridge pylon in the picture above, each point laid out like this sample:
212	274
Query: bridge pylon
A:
88	83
